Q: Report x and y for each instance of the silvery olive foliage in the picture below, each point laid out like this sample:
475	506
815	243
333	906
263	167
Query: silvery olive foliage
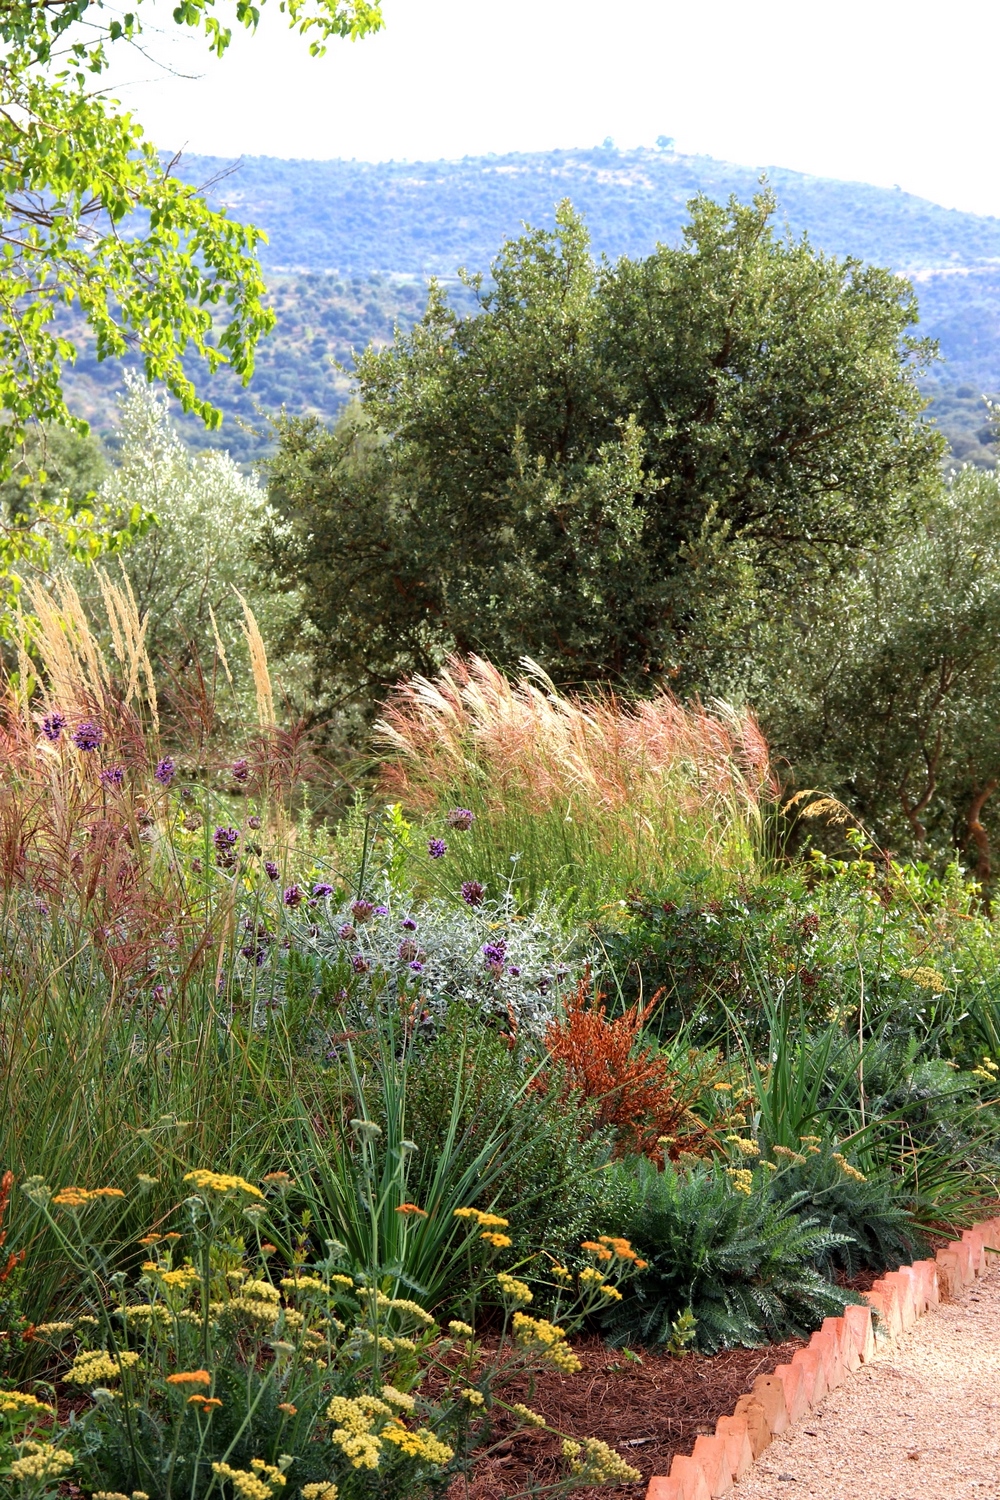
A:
509	967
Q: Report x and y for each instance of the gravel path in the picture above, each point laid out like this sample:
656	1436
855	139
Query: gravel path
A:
921	1422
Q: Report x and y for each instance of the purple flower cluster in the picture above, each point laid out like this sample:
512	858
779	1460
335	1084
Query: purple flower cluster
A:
88	735
495	953
240	771
408	924
360	964
361	910
293	896
113	776
164	772
407	950
437	848
271	869
461	818
53	725
225	839
322	888
473	892
346	933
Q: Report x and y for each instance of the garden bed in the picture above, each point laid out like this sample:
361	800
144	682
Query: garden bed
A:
646	1411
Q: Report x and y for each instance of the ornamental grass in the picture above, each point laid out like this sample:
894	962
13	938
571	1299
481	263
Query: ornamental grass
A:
590	796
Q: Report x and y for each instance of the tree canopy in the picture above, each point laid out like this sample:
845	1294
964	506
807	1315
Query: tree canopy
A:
604	460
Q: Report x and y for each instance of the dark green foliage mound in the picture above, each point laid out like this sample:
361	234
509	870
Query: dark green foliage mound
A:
870	1217
744	1266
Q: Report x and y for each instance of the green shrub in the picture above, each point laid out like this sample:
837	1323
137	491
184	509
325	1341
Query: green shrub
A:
867	1215
744	1267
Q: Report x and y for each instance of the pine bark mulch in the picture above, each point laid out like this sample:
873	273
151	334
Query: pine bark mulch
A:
647	1412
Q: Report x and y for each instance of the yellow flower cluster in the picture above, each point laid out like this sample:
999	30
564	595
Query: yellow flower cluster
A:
561	1274
48	1330
321	1491
591	1276
554	1348
596	1463
741	1179
97	1364
498	1241
309	1283
262	1290
459	1329
744	1145
528	1417
987	1070
77	1197
180	1279
484	1220
221	1182
517	1292
847	1169
420	1444
22	1402
41	1461
927	979
474	1397
794	1158
402	1399
252	1485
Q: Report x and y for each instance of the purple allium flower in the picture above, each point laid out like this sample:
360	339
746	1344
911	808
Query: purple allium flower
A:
113	776
460	818
53	726
417	966
408	924
88	735
253	822
293	896
494	953
473	892
347	933
240	770
164	772
514	971
361	910
225	839
437	848
271	869
407	950
322	889
360	964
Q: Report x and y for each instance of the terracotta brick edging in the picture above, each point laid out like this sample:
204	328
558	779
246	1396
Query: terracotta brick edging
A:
839	1348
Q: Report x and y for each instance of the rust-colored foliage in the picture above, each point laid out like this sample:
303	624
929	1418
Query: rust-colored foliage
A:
13	1258
634	1088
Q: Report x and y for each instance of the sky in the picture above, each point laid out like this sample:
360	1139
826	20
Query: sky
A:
870	90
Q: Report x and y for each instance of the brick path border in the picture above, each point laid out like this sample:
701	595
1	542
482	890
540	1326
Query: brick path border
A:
836	1350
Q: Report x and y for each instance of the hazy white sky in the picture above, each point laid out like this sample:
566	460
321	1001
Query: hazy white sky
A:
878	90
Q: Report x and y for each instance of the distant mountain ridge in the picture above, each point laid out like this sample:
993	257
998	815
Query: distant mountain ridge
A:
423	218
351	245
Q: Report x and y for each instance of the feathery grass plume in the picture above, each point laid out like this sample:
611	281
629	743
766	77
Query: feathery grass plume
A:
596	793
258	665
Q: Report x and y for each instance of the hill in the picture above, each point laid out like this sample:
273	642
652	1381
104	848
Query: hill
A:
351	245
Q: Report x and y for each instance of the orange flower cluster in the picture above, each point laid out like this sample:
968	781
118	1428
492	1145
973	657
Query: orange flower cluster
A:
190	1377
411	1210
76	1197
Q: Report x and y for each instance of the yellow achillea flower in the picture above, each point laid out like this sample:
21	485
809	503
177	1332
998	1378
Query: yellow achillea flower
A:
552	1339
97	1364
251	1486
741	1179
49	1329
591	1276
794	1157
722	1088
596	1463
593	1248
41	1461
561	1274
528	1417
515	1291
401	1399
847	1169
611	1292
221	1182
744	1145
460	1330
22	1401
76	1197
321	1491
474	1397
419	1444
498	1241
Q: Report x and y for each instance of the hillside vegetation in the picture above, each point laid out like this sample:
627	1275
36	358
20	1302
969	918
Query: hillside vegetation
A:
352	244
